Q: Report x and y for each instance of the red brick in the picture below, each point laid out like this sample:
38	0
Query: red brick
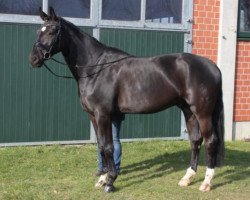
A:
238	106
246	71
216	9
245	53
243	100
199	20
246	47
210	15
211	2
217	15
200	7
202	14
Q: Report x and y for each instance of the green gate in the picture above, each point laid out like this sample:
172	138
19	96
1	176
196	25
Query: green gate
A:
38	107
148	43
34	105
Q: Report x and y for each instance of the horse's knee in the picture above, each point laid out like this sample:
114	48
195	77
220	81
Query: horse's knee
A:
196	142
108	150
211	142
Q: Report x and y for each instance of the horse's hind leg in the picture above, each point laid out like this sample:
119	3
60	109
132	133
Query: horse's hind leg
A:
211	140
196	141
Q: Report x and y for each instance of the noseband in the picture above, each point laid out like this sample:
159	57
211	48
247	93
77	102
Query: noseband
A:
47	53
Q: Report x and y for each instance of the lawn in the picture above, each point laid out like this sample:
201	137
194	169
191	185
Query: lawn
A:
150	170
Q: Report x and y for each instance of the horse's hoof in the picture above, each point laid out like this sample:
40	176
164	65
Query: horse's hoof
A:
109	188
102	181
184	182
205	187
100	184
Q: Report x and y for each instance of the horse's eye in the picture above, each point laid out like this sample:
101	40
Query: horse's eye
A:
51	32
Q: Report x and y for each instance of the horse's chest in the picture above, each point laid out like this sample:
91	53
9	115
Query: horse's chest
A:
86	105
95	97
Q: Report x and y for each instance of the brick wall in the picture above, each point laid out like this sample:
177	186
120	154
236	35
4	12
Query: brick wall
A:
206	28
242	82
205	38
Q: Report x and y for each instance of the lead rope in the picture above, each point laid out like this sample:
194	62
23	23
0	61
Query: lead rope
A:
60	76
89	75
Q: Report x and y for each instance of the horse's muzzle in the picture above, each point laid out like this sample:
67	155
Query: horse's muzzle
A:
36	57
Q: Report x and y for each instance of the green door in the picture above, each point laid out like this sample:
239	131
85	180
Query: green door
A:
148	43
34	105
37	107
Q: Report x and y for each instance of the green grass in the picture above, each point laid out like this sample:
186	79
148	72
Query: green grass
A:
150	170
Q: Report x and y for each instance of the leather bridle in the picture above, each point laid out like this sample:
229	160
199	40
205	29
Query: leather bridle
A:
47	51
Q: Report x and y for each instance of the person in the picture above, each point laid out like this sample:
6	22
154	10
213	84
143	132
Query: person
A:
116	127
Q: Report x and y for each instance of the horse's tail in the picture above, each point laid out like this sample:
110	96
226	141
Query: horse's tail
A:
218	123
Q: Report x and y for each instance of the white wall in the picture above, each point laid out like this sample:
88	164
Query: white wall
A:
227	57
241	130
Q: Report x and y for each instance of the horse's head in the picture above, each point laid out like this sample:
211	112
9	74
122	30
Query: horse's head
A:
48	39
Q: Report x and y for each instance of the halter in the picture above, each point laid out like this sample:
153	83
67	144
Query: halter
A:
48	50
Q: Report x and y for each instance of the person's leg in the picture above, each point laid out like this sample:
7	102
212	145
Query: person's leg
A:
116	126
99	161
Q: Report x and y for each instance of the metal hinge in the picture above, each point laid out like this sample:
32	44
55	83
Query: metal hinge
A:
189	41
190	20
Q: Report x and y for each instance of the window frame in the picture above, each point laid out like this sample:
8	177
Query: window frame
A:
35	19
241	35
142	24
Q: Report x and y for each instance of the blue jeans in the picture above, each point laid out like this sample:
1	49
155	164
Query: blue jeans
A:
116	126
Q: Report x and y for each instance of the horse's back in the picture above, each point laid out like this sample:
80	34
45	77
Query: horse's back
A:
191	66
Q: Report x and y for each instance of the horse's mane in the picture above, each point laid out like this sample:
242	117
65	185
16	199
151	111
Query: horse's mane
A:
77	30
82	34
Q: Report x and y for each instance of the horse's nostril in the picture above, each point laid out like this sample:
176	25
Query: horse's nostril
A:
47	55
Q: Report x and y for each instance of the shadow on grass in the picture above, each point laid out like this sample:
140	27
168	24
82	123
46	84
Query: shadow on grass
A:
235	168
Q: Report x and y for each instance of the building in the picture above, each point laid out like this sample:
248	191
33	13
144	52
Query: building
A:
39	108
221	33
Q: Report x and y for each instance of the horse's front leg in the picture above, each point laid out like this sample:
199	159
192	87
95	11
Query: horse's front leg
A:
102	181
105	143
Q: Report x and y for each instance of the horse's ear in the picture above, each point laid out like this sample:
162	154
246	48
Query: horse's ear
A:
52	14
43	15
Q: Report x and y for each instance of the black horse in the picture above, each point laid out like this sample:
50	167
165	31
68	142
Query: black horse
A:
112	83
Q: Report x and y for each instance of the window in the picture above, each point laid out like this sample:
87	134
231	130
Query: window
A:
164	11
129	10
65	8
21	7
69	8
244	20
80	12
141	14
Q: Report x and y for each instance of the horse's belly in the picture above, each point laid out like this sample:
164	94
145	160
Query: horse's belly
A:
146	103
146	89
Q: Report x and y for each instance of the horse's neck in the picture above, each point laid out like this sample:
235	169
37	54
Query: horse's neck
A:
81	50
